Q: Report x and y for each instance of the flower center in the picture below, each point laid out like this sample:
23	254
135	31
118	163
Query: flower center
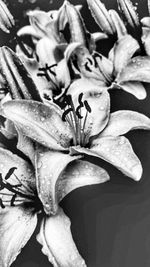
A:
76	121
12	194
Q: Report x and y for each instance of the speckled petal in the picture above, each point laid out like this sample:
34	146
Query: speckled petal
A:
138	69
22	174
123	52
78	174
57	242
123	121
49	166
40	122
129	12
118	152
17	225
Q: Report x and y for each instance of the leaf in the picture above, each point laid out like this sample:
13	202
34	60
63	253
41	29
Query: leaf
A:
117	151
17	225
101	16
138	69
57	242
78	174
40	122
49	166
123	121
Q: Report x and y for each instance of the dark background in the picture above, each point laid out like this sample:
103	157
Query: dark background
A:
111	221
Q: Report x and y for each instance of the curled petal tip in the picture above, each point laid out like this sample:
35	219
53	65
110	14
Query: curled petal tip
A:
137	172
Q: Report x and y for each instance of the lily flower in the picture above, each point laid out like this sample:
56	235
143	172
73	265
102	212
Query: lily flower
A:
86	129
6	19
20	206
121	70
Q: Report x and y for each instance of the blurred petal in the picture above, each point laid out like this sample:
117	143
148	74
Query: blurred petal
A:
77	28
146	42
49	166
20	172
118	152
146	21
138	69
123	121
123	52
19	81
119	24
135	88
6	19
17	225
129	12
40	122
78	174
57	242
101	16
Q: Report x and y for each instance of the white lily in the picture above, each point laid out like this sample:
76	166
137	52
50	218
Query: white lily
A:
20	205
121	70
82	129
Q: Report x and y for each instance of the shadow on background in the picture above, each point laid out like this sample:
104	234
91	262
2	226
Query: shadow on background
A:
110	222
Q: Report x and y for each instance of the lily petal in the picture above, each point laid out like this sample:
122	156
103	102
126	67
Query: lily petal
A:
146	42
123	52
146	21
20	173
129	12
138	69
6	18
26	145
40	122
78	31
28	30
78	174
119	24
135	88
49	166
17	225
118	152
101	16
19	81
57	242
123	121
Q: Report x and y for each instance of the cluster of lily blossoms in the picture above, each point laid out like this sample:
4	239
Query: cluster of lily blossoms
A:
55	106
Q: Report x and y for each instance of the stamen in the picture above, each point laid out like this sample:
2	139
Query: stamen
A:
88	108
22	46
107	77
1	204
10	172
66	112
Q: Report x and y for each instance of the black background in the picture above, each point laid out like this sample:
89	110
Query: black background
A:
111	221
